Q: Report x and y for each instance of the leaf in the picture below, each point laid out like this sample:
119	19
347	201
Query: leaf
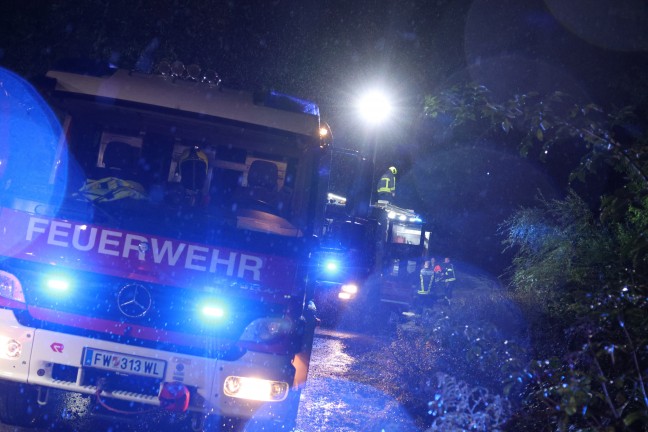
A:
573	112
572	406
539	135
506	125
593	107
633	417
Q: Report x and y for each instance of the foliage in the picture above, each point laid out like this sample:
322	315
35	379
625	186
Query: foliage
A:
593	271
580	273
415	369
460	365
458	406
545	122
556	244
631	227
599	383
473	348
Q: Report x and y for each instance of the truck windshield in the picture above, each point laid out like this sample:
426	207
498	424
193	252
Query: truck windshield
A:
150	171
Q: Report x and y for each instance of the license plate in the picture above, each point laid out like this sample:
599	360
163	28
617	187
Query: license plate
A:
124	363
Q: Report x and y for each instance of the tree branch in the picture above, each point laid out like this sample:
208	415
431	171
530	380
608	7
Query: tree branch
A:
636	362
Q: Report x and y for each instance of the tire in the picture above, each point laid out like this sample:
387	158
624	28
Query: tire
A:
19	406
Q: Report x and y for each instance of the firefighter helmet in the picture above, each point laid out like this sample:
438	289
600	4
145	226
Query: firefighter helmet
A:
393	170
193	168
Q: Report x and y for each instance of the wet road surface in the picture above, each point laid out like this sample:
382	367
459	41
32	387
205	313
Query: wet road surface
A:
339	397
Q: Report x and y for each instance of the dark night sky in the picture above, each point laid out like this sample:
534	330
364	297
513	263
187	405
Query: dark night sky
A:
331	50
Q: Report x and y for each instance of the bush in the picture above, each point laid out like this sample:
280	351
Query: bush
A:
458	364
458	406
595	380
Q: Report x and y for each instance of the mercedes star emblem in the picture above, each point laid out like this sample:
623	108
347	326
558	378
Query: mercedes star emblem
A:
134	300
143	247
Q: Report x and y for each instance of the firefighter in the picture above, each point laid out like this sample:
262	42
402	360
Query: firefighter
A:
427	278
387	185
425	295
192	167
193	172
448	277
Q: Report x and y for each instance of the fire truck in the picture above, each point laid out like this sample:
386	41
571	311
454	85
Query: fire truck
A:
155	235
342	264
371	252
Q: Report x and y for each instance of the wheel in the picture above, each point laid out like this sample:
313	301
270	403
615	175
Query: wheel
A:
19	406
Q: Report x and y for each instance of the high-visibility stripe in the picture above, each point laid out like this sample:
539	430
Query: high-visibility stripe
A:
386	187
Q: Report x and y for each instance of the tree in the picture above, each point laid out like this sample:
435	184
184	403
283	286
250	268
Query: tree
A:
547	121
581	272
582	267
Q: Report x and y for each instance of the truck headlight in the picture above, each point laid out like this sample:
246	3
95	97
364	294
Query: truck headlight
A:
349	288
348	291
255	389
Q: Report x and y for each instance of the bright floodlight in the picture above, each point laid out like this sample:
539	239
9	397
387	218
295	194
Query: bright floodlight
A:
374	107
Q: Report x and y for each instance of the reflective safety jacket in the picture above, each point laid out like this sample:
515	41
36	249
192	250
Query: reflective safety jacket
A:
448	274
112	189
427	279
387	183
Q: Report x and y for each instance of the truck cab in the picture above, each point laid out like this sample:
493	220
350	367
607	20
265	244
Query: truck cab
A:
155	232
342	263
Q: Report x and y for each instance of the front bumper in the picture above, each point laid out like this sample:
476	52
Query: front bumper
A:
55	360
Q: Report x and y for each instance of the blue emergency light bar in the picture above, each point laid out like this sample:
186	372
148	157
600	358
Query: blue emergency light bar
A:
286	102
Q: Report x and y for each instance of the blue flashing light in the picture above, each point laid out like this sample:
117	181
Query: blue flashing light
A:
286	102
88	67
27	118
58	284
331	266
213	311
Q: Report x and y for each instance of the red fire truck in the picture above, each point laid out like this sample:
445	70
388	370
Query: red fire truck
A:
155	231
370	254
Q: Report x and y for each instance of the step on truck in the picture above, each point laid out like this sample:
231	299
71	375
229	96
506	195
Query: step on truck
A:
155	232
